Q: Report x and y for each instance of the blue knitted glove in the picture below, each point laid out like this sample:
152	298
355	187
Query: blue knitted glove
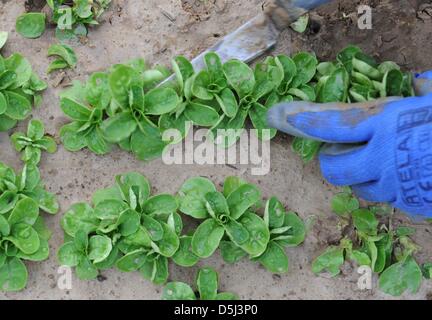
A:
383	149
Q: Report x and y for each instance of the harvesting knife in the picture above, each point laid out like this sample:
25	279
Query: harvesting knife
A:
259	34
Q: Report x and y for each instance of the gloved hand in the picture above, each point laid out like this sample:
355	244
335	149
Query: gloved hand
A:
383	148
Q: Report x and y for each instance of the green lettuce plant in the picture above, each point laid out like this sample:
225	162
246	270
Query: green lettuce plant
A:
286	229
65	57
353	77
126	228
20	89
33	143
388	251
83	14
207	285
23	233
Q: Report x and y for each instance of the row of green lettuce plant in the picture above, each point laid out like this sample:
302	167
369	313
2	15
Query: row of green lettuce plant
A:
23	233
128	228
122	105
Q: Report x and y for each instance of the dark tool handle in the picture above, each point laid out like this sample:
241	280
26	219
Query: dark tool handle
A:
284	12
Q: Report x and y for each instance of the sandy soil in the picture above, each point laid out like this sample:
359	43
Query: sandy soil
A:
158	30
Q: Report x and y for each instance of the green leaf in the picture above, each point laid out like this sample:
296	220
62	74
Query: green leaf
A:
178	291
31	25
42	253
131	261
184	256
274	213
236	232
6	123
274	258
346	57
393	81
80	216
156	271
71	139
153	227
216	204
161	203
366	65
110	261
226	296
361	258
183	70
242	199
160	101
365	221
25	211
120	81
331	260
344	203
68	255
231	253
231	184
201	115
306	66
259	234
206	238
57	65
21	67
296	232
301	24
227	102
24	237
13	275
258	116
200	83
153	147
239	76
99	248
19	107
4	226
97	90
133	180
75	110
401	276
47	201
3	103
86	270
335	88
96	142
3	38
192	197
307	149
119	127
169	243
207	283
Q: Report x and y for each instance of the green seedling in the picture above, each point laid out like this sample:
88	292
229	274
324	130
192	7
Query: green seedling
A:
33	143
207	285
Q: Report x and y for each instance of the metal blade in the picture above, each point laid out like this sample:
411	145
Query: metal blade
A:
258	35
